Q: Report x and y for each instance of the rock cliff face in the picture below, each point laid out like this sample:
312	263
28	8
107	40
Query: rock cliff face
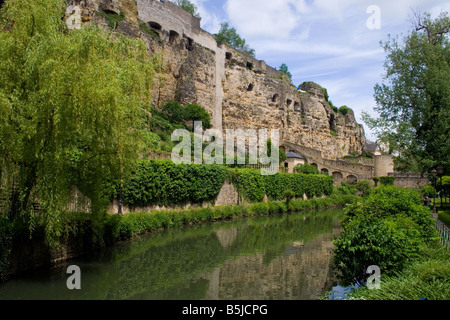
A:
237	90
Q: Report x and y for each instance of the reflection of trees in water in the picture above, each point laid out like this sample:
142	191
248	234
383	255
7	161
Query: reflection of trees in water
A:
153	270
197	262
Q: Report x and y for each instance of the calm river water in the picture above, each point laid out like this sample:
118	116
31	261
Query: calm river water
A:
280	257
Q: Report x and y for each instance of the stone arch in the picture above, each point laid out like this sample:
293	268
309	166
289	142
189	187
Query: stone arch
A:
249	65
325	171
351	179
173	36
338	177
315	165
190	44
275	98
154	25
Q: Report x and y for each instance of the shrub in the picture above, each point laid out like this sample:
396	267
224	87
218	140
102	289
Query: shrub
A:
258	209
386	230
163	182
288	195
363	187
344	110
387	181
428	191
306	169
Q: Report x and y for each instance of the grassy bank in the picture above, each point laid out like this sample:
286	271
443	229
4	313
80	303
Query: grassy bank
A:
134	224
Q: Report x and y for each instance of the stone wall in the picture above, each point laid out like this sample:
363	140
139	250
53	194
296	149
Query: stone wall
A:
239	91
410	180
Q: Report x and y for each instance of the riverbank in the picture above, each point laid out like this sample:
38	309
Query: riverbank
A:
85	233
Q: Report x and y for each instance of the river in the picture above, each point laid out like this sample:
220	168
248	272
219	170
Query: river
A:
280	257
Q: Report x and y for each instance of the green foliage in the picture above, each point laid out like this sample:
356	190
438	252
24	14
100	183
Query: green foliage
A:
346	189
306	169
363	187
444	216
188	6
376	180
285	70
428	278
149	31
112	18
288	195
177	113
165	183
194	112
230	37
428	191
344	110
333	133
413	101
73	107
387	181
253	186
387	230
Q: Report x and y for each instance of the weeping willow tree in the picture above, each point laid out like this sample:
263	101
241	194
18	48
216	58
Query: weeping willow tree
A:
72	105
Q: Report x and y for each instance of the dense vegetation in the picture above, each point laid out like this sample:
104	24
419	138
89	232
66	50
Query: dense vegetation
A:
230	37
253	186
390	229
73	105
413	101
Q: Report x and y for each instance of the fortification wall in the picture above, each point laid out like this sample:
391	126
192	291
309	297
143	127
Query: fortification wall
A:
238	90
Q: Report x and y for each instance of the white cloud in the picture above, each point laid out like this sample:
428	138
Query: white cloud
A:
265	18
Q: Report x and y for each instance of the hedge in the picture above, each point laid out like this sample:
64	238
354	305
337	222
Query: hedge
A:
164	183
253	186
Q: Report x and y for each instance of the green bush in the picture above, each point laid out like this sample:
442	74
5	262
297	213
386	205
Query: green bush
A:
363	187
428	191
253	186
306	169
344	110
387	181
387	230
165	183
258	209
428	278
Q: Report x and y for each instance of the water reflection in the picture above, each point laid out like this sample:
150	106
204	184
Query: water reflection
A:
278	257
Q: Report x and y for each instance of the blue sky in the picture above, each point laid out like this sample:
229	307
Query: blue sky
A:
325	41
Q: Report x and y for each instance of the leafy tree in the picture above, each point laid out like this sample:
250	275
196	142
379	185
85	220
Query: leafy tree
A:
188	6
388	230
284	69
306	169
230	37
72	104
413	102
194	112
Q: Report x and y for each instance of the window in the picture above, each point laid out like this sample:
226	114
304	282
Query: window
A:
155	26
190	44
250	87
289	102
173	36
228	56
249	65
275	98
